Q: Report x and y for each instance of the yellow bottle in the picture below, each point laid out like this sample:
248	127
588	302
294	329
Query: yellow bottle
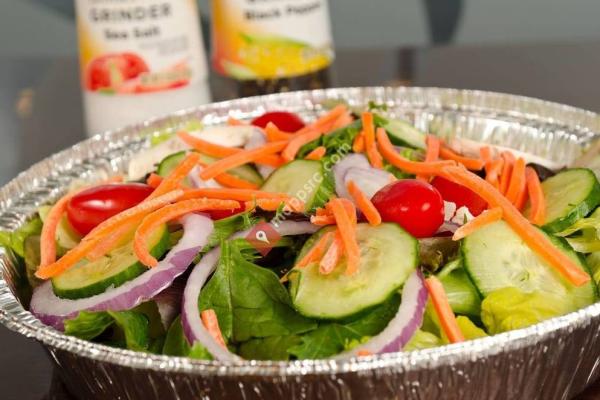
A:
272	45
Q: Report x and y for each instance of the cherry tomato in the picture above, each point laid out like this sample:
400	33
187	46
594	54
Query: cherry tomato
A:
220	214
111	70
459	195
414	205
286	121
89	208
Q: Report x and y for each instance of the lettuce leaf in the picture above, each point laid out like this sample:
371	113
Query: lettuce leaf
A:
338	141
269	348
510	308
422	340
15	240
584	234
177	345
249	300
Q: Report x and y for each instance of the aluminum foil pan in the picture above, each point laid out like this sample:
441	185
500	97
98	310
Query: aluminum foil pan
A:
552	360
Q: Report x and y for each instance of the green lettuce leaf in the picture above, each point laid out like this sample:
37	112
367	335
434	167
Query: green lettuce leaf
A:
422	340
88	325
593	261
510	308
249	301
15	240
584	234
469	330
339	141
333	337
224	228
134	327
177	345
269	348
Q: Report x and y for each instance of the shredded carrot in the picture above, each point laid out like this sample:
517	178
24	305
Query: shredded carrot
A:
322	220
274	134
109	243
294	145
486	154
350	210
168	213
347	233
374	157
48	235
231	194
211	324
537	214
414	167
364	353
358	146
483	219
241	158
522	199
232	181
368	128
342	121
107	227
531	235
231	121
509	161
321	211
517	181
325	122
273	204
316	154
174	179
432	153
474	164
443	310
316	252
493	169
332	256
364	204
206	147
154	180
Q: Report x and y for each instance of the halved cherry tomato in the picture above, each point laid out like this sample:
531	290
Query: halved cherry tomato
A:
89	208
220	214
459	195
286	121
414	205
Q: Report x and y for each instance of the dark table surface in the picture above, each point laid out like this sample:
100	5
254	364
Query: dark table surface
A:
41	113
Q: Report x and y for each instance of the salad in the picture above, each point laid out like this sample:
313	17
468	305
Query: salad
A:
279	239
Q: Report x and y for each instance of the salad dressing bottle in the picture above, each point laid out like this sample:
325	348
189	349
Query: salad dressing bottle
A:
139	59
272	45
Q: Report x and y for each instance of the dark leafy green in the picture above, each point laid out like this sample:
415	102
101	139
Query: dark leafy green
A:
270	348
226	227
135	328
88	325
333	337
177	345
338	141
249	301
15	240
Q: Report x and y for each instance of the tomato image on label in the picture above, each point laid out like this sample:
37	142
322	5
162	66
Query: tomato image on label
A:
110	71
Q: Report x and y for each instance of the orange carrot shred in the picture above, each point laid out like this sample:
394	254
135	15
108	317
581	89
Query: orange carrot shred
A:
211	324
342	121
347	233
517	181
536	195
364	353
322	220
273	204
91	240
48	235
154	180
241	158
206	147
493	169
232	181
414	167
168	213
536	240
316	154
111	242
432	153
509	161
474	164
332	256
364	204
294	145
483	219
274	133
316	252
443	310
231	121
368	128
486	154
174	179
231	194
358	146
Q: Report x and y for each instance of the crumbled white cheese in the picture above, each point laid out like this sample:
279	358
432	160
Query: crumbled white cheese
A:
449	210
462	216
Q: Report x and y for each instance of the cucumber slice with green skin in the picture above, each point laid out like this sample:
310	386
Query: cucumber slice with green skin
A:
388	256
495	257
89	278
570	195
402	133
245	172
307	180
462	294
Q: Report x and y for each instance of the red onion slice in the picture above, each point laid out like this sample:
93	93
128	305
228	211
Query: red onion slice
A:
354	160
190	316
257	139
369	181
197	182
53	310
404	324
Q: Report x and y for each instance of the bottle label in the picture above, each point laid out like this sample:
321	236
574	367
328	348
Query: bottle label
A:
264	39
139	46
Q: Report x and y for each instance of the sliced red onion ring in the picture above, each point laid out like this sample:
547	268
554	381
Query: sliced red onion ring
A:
53	310
257	139
353	160
190	316
197	182
404	324
168	302
369	181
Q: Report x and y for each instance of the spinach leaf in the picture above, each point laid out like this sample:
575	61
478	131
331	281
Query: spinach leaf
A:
337	141
134	327
224	228
334	337
270	348
249	301
177	345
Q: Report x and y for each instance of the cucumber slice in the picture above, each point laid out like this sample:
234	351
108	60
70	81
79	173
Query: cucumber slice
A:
462	294
570	195
306	180
89	278
403	133
246	172
388	256
495	257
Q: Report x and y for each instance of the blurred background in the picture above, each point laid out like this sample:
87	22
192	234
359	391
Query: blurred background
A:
543	48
